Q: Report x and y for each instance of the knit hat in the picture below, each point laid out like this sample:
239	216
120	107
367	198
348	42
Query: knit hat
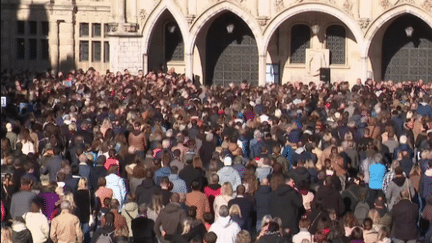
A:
227	161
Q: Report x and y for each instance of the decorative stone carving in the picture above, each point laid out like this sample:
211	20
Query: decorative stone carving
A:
142	15
407	1
190	18
427	5
130	27
347	6
279	5
364	23
113	27
331	1
262	20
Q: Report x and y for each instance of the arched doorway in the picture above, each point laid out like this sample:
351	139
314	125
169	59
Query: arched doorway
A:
166	47
231	52
407	57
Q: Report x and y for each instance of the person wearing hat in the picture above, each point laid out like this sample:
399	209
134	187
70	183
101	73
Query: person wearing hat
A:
228	173
403	146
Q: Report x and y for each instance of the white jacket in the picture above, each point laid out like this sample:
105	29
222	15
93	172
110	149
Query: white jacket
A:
229	174
117	184
225	229
37	223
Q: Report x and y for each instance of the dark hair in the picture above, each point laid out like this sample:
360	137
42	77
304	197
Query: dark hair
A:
241	190
196	185
356	234
75	169
210	237
192	212
399	170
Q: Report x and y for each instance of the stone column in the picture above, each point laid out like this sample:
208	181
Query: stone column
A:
53	43
120	16
67	45
189	65
145	63
261	70
364	68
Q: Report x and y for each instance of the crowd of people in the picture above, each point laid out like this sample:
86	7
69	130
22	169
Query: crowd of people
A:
115	157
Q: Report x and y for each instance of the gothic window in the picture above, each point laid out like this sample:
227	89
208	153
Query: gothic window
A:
335	40
174	46
300	41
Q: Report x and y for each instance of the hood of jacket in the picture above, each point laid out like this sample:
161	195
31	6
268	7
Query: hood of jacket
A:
130	207
148	183
227	171
399	181
173	207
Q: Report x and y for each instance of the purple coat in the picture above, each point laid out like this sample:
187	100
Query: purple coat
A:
48	200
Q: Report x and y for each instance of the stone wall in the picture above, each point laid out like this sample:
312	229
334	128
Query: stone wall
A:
126	53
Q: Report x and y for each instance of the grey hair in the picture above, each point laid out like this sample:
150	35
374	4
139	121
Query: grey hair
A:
378	158
65	205
142	209
223	211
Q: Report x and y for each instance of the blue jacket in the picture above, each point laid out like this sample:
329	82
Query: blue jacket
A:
403	147
424	110
179	185
377	172
164	171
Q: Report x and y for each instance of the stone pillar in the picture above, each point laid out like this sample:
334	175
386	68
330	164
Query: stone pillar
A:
189	65
53	43
364	68
261	70
192	6
145	63
120	16
67	45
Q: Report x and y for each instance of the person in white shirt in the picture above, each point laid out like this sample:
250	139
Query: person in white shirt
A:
37	223
225	228
304	225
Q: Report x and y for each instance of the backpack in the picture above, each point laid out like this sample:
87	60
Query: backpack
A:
105	238
361	211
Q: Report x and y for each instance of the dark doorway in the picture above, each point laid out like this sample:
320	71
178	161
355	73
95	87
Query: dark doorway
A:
407	58
231	57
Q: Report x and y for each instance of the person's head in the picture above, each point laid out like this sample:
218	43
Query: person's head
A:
192	211
243	237
367	224
113	169
142	209
26	183
115	205
187	225
209	237
106	202
399	171
350	220
196	185
235	210
65	205
356	234
241	190
83	184
223	211
175	198
208	217
35	206
405	194
75	169
304	223
227	189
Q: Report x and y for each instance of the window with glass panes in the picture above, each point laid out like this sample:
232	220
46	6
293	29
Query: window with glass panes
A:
84	29
300	41
84	50
335	42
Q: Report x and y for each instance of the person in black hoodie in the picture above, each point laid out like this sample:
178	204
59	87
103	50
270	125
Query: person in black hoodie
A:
300	173
171	219
285	203
262	200
142	227
330	197
147	189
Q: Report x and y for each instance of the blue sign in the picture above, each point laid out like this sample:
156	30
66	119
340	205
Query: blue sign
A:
3	101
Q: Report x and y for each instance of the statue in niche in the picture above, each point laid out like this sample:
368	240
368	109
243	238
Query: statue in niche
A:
316	61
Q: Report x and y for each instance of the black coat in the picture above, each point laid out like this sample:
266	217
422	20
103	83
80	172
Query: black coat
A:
142	230
262	200
286	203
246	209
190	174
146	190
331	199
405	216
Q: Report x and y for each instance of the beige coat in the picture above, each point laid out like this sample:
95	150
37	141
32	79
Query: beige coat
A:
66	228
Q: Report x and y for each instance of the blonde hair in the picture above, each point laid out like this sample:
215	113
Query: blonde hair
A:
187	225
415	170
121	231
6	235
309	164
68	196
227	189
235	210
83	184
374	215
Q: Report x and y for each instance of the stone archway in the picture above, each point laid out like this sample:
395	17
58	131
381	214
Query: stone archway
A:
151	22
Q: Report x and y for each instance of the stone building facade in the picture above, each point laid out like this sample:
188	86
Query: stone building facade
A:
223	41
